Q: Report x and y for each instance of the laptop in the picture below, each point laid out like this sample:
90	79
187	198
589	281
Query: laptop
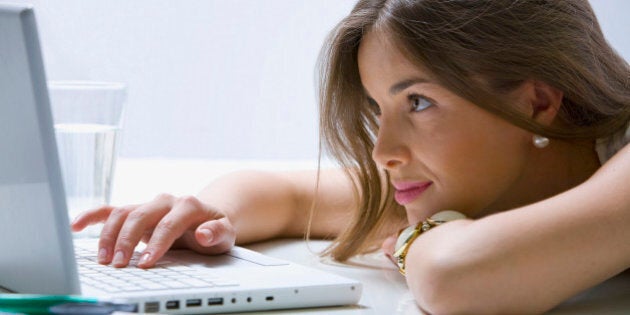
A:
39	255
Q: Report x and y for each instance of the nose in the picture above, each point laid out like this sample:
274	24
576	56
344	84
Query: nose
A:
390	150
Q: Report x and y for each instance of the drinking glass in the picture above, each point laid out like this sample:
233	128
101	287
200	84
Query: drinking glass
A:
88	120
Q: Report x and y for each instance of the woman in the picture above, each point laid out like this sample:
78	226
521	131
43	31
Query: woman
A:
504	111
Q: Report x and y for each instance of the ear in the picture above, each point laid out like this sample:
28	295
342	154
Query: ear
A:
543	102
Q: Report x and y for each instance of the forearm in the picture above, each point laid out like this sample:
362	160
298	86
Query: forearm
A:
258	204
264	205
529	259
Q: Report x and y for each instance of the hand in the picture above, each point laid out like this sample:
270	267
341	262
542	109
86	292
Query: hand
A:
166	221
388	248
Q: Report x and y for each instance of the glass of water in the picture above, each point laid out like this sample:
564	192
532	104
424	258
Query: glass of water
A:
88	119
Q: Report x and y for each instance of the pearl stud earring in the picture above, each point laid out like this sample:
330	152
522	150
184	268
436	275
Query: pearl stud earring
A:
540	141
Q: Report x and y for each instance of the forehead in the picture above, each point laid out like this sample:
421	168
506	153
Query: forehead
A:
377	45
381	63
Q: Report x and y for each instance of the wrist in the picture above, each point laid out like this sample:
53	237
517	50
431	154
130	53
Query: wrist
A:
407	236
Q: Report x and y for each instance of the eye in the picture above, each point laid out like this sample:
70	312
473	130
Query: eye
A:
419	102
374	106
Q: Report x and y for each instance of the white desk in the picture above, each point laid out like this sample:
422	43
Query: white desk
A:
384	290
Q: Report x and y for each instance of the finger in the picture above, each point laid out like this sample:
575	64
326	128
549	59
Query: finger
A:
388	247
146	236
186	212
136	224
90	217
214	237
109	233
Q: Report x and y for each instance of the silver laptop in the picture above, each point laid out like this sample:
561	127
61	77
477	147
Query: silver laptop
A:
37	254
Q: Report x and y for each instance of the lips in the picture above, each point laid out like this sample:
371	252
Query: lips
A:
407	192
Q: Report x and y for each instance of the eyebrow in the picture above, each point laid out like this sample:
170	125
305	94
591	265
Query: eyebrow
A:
402	85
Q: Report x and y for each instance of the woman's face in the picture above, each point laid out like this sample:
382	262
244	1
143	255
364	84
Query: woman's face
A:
441	151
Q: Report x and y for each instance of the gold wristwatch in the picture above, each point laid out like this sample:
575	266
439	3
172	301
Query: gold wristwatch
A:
408	235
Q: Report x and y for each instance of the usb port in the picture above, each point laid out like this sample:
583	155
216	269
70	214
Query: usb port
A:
215	301
269	298
172	305
151	307
193	302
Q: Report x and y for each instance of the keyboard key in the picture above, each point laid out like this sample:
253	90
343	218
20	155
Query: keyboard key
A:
196	283
165	275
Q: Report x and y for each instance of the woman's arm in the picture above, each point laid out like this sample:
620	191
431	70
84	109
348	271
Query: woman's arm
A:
529	259
241	207
264	205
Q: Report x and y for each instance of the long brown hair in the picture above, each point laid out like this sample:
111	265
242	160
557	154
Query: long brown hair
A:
480	50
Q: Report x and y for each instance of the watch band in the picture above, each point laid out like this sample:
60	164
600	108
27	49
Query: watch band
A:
407	235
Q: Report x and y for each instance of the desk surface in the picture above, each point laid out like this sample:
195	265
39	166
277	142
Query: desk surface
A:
384	291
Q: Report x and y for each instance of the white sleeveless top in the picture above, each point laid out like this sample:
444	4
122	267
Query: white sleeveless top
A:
607	147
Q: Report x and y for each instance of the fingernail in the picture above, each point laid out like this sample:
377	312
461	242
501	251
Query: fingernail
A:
74	221
144	259
207	233
119	258
102	254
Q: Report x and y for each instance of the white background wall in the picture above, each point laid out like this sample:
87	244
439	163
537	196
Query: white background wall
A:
214	78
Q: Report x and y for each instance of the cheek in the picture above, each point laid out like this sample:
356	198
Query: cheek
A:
473	166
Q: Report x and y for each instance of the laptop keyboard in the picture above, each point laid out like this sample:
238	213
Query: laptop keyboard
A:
165	275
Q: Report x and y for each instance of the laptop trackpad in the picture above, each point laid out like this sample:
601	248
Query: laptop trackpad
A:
236	257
